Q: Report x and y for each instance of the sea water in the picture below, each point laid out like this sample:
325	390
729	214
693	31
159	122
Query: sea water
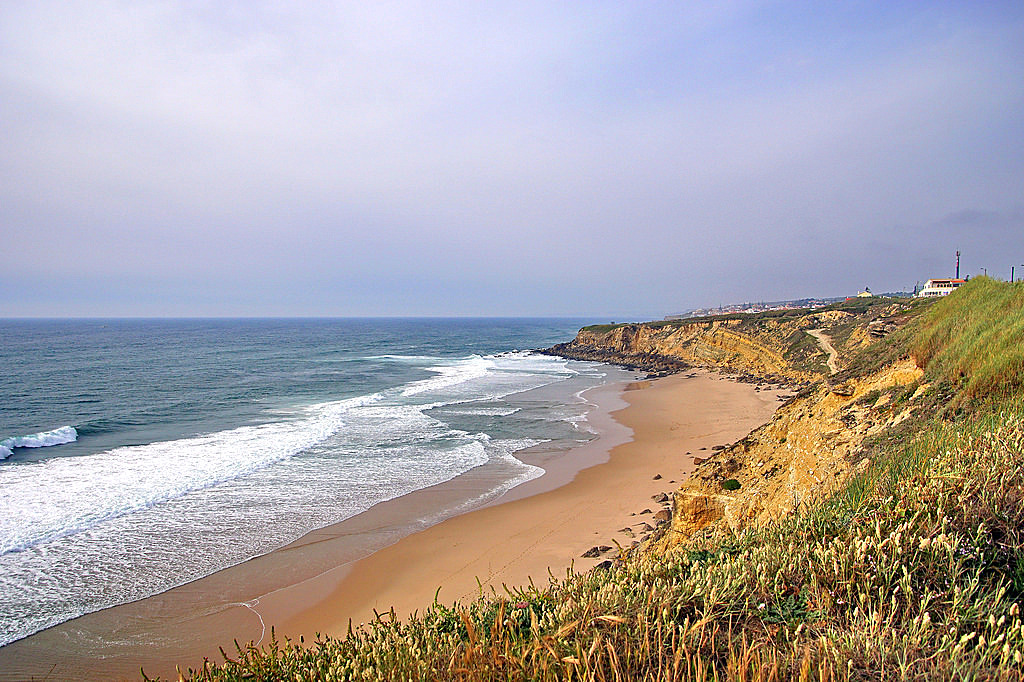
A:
138	455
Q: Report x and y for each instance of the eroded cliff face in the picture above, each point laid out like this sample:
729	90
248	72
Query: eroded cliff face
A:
663	350
718	344
804	452
813	442
777	350
772	347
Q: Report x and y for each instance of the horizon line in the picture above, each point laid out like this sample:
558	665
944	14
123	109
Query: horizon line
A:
302	317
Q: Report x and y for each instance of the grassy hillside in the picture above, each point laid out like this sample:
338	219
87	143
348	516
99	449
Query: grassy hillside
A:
975	341
911	570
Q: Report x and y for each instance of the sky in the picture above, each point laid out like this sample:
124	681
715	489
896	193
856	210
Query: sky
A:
627	160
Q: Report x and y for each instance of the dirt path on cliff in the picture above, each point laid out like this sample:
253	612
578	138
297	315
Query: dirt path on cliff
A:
826	345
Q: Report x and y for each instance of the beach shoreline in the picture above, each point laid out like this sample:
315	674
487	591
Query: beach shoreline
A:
545	534
320	582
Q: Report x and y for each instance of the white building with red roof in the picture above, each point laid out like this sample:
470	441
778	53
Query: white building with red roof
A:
940	287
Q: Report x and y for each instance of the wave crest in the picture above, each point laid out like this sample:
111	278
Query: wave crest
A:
466	369
43	439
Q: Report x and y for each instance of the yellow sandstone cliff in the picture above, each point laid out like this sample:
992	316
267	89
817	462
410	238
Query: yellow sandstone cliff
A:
718	344
813	442
805	451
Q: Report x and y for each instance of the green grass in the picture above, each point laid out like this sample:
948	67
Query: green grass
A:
605	328
913	569
840	333
805	353
884	351
864	307
974	338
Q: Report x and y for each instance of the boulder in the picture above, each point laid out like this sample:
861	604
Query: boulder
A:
843	390
695	510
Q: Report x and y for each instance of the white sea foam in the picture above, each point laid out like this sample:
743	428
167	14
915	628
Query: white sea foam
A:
527	472
47	500
60	436
460	372
42	501
487	411
246	489
521	472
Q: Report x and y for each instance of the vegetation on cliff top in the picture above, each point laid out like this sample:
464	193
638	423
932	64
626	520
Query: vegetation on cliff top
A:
911	570
975	341
854	306
772	346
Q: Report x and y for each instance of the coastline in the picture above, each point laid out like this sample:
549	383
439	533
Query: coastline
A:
319	582
548	531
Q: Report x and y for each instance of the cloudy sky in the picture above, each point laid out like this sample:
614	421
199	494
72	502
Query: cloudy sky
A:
621	159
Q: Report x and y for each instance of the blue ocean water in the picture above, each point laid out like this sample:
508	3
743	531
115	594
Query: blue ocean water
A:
142	454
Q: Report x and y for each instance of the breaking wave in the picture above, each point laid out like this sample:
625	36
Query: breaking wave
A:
60	436
64	496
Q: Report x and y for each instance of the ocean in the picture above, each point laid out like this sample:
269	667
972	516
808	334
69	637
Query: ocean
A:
138	455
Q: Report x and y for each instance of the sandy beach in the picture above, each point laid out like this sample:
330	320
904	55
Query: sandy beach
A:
321	582
519	541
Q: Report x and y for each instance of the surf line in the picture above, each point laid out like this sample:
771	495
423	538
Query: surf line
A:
249	605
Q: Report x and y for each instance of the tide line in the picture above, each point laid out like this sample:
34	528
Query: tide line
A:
249	605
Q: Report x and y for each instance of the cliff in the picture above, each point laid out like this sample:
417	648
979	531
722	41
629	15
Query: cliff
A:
773	346
816	439
803	454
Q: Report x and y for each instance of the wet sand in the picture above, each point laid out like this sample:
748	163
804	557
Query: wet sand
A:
322	581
